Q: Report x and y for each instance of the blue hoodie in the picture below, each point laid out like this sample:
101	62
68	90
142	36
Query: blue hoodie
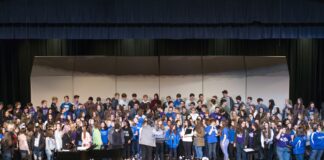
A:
172	139
317	140
211	138
104	136
299	144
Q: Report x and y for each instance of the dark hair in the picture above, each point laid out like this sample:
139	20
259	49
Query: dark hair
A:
222	101
178	95
250	98
225	92
124	95
259	99
191	95
134	95
238	98
98	99
76	96
90	98
201	95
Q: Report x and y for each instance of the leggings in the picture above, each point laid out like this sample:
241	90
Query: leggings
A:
224	147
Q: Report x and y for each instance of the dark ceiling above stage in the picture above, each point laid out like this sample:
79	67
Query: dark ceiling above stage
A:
161	11
158	19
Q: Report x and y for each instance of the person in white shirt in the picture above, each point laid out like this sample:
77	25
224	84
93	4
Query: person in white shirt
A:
186	135
194	115
267	140
202	99
123	101
58	137
190	101
49	145
86	138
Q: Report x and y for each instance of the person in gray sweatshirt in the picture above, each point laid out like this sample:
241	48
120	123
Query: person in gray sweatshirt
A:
147	140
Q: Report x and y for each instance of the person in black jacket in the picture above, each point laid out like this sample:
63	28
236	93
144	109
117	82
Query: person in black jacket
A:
128	136
38	143
255	140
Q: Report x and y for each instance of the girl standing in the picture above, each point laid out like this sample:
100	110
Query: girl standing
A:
172	139
199	140
186	135
224	139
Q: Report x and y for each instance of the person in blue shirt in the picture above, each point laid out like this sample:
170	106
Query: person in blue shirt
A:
299	144
172	138
224	138
283	141
178	100
211	132
317	143
231	138
66	106
171	114
104	134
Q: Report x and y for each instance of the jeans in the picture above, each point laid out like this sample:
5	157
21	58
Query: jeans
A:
198	150
49	154
224	147
6	155
283	153
205	149
240	154
299	156
316	154
187	148
134	147
159	151
38	154
212	151
23	154
173	153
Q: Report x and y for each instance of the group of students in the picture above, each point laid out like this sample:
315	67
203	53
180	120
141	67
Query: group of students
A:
219	128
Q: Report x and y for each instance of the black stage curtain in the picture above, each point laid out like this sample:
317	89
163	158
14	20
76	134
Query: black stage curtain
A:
159	19
305	59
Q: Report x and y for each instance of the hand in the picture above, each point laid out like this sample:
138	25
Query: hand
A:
234	144
129	141
245	146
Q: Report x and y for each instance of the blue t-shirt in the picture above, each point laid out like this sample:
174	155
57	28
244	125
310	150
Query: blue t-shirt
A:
104	136
225	131
284	140
66	105
231	135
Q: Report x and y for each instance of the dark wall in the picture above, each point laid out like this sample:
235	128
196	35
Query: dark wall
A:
305	58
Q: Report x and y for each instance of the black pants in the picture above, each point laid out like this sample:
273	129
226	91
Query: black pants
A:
187	149
159	151
127	150
231	150
146	152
